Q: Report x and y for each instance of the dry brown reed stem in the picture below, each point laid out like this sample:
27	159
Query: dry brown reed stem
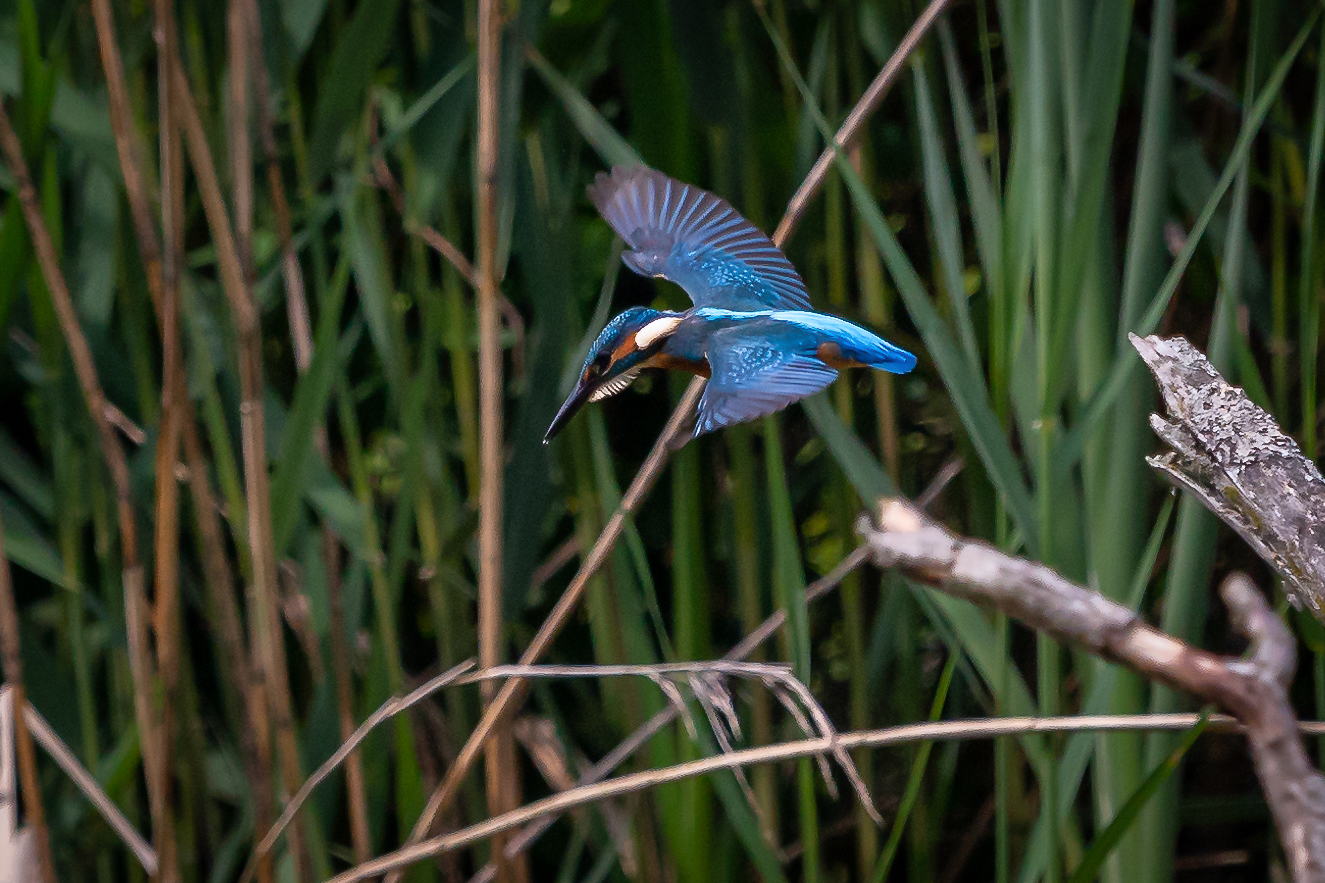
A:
855	121
53	745
502	771
131	154
296	303
166	514
12	658
355	787
243	26
940	731
135	600
128	145
643	482
220	580
251	698
269	648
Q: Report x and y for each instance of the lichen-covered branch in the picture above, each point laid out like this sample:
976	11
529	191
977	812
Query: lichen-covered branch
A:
1233	456
1253	689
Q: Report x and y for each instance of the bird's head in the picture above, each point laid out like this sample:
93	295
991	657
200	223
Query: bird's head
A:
616	358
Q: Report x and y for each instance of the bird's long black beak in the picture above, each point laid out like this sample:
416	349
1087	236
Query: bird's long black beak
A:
568	409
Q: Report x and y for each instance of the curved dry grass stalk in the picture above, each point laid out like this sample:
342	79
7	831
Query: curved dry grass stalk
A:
705	680
444	247
941	731
647	730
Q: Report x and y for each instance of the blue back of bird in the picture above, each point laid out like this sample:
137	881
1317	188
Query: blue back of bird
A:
789	330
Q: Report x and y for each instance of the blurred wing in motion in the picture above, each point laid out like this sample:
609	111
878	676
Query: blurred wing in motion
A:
697	240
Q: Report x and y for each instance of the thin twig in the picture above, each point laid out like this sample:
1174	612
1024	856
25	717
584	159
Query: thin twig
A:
950	470
356	791
855	121
940	731
49	740
128	144
132	431
560	557
446	248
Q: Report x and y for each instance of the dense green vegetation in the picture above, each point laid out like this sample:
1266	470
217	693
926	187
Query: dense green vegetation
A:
263	289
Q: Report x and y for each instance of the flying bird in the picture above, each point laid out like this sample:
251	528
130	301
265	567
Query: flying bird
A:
751	331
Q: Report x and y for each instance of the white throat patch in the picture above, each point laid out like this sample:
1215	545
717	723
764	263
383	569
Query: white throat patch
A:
655	330
615	385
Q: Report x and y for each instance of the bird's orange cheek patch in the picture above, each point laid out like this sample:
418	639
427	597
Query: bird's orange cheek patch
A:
625	348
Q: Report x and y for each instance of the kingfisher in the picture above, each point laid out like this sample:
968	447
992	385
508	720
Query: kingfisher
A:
752	331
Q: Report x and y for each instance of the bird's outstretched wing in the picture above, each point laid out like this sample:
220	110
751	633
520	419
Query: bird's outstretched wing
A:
697	240
753	376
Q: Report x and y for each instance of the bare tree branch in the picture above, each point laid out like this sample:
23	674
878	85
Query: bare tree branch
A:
1233	456
1253	690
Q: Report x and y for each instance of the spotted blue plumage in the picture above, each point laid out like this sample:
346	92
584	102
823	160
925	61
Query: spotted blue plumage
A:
752	378
752	330
697	240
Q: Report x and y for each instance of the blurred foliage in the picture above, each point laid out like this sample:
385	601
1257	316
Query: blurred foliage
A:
1044	178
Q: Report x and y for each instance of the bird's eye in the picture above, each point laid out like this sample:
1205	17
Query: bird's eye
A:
600	364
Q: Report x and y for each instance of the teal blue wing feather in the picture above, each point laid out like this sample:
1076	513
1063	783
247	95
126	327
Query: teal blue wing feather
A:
753	376
689	236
